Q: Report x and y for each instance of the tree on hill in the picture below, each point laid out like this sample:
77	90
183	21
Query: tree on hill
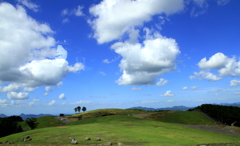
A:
32	122
75	109
84	109
78	108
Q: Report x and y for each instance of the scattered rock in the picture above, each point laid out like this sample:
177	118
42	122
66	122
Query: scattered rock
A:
98	139
108	143
0	142
73	140
88	138
120	144
26	138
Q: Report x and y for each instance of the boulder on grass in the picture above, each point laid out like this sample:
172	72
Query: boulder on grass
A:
88	138
73	140
98	139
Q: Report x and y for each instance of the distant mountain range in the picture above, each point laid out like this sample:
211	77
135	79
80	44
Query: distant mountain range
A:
180	108
174	108
25	116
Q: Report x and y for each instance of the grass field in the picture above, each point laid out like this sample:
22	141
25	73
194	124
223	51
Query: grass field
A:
121	128
181	117
47	121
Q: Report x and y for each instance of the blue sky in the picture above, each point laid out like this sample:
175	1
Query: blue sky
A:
56	55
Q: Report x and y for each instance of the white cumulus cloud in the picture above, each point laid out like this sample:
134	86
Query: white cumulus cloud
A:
162	82
17	96
185	88
141	64
205	75
62	96
29	55
113	18
224	65
48	88
10	88
235	83
167	93
52	102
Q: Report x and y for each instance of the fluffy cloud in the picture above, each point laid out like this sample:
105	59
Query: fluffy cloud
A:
167	93
234	83
31	103
45	94
134	88
29	55
28	89
224	65
162	82
17	96
52	102
113	18
205	75
185	88
29	5
62	96
10	88
48	88
143	63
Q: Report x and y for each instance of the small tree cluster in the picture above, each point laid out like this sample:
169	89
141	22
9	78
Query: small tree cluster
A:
78	109
32	122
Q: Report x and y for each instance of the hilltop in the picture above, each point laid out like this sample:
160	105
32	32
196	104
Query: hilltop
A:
117	125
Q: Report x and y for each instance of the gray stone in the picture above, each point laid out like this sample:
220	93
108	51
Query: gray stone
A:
27	137
108	143
120	144
10	142
74	142
88	138
98	139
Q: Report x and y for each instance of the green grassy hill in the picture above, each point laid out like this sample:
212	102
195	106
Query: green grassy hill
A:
47	121
181	117
121	128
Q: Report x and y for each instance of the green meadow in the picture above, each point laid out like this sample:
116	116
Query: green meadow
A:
181	117
129	130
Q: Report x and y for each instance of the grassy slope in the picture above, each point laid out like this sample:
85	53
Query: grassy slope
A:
47	121
181	117
126	129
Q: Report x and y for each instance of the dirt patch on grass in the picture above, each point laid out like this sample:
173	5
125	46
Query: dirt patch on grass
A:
62	127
